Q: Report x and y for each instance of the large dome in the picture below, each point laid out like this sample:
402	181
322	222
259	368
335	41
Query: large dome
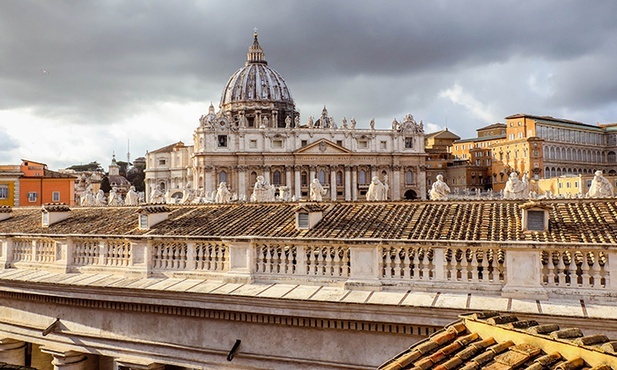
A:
257	86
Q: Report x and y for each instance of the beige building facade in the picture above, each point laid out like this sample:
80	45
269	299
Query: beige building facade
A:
257	132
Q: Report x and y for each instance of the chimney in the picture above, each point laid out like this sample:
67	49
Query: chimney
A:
54	212
151	215
308	215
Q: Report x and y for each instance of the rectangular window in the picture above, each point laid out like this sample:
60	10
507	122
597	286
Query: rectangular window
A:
143	221
162	162
32	196
4	192
383	145
253	144
535	220
55	196
304	143
222	141
339	142
362	144
409	143
303	220
277	144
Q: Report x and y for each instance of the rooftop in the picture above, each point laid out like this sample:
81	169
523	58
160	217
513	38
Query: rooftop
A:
570	221
490	341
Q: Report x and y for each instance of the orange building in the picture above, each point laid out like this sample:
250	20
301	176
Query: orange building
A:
38	185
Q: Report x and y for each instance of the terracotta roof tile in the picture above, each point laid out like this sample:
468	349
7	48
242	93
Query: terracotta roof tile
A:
584	220
456	349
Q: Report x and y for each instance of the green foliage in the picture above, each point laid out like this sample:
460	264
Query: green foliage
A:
92	166
105	186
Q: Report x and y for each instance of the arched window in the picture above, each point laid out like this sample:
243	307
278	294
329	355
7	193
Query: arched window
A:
408	177
361	177
321	175
276	177
253	178
339	178
162	186
222	176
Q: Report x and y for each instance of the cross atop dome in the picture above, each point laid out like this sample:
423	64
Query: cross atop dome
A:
256	53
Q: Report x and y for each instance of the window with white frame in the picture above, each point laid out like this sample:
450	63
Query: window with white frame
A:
55	196
4	192
32	196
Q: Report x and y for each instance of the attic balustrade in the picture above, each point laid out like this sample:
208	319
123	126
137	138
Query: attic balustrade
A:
507	269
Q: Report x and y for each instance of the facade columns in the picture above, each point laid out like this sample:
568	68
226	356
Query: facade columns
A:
297	190
288	176
333	183
266	174
347	183
209	186
354	183
13	352
374	172
68	360
241	183
396	183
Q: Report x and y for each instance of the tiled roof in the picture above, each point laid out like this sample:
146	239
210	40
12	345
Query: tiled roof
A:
56	207
570	221
57	175
168	148
494	125
491	342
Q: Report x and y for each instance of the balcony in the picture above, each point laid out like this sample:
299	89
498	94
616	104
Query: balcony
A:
506	269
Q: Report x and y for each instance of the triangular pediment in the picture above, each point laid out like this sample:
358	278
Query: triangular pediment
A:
443	134
322	146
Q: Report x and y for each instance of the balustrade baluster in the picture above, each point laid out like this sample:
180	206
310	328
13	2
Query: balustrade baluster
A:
586	278
336	263
474	266
463	271
426	271
415	272
397	263
561	271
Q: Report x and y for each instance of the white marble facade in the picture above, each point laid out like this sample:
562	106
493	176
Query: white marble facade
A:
257	131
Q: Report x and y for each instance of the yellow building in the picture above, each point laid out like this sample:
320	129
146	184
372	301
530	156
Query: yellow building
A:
9	185
546	147
570	186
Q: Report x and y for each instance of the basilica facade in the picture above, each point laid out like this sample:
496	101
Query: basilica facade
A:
257	131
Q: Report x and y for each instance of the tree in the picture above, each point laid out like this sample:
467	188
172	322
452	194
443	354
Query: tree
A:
105	186
92	166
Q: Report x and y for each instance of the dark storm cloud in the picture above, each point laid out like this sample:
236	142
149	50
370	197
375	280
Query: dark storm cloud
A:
94	62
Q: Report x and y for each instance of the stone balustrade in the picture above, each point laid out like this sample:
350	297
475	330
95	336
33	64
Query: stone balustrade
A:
509	269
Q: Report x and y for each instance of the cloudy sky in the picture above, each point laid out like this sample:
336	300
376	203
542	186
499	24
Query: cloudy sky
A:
79	79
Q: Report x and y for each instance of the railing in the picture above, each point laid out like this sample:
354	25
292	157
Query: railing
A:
497	268
580	268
